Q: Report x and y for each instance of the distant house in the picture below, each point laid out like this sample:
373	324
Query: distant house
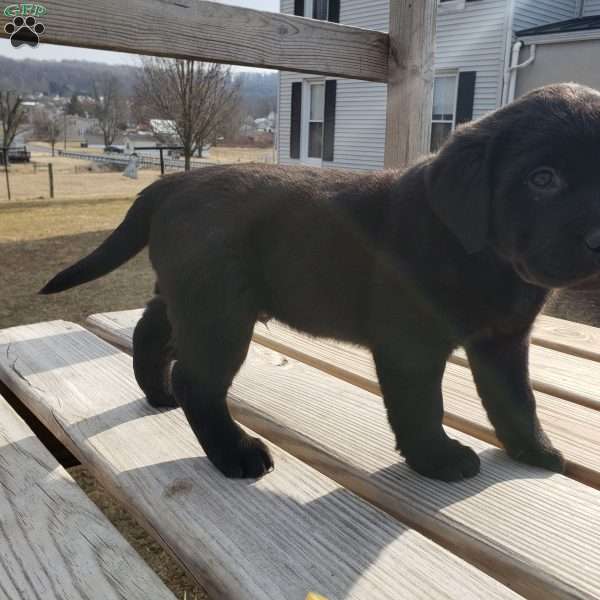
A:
145	139
165	129
341	123
266	124
248	126
79	128
563	51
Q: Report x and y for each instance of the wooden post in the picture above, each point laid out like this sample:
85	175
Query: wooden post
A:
162	162
410	80
51	177
6	171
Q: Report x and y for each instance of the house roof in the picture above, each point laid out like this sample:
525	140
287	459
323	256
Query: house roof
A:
571	25
142	137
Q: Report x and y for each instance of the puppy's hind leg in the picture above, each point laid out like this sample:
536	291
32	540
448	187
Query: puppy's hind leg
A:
213	326
153	353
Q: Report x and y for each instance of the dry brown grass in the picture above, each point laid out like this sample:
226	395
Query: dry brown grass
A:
26	184
223	154
38	239
71	182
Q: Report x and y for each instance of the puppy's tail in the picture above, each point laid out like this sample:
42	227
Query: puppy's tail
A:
127	240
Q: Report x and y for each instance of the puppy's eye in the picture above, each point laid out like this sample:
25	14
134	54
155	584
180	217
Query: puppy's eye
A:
544	179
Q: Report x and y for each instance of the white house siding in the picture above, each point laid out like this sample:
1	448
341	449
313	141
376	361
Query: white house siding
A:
472	39
531	13
591	8
361	106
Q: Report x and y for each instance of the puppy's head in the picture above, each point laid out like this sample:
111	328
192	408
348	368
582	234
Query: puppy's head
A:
525	181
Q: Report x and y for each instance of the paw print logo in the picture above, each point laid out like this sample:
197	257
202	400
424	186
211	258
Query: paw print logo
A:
24	31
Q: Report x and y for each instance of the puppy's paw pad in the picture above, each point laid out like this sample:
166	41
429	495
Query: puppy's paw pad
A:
448	462
545	457
248	459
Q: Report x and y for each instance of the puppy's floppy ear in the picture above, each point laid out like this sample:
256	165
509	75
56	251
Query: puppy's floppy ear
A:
459	186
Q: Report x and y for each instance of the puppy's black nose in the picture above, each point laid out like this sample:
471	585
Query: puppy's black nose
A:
592	240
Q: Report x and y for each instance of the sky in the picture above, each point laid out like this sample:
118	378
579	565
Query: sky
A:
50	52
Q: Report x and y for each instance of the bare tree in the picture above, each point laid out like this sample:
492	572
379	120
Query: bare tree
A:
47	127
12	116
109	107
197	97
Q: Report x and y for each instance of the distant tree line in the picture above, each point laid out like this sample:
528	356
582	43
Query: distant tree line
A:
257	90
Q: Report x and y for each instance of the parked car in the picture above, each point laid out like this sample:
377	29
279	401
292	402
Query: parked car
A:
113	150
16	154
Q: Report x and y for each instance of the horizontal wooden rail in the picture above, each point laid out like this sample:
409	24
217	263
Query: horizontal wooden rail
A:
219	33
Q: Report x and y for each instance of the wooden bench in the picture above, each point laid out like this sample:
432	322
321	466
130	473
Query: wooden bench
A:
56	544
513	530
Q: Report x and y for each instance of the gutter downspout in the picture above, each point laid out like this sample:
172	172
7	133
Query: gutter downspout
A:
515	67
510	21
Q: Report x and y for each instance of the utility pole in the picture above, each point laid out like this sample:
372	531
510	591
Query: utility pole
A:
65	129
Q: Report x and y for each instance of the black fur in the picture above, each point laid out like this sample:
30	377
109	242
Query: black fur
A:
460	250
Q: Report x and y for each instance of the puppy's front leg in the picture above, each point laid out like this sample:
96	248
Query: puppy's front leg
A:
412	392
500	369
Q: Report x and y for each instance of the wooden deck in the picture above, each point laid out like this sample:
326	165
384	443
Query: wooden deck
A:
341	515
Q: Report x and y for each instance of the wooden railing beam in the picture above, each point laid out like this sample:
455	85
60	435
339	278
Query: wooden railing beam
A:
215	32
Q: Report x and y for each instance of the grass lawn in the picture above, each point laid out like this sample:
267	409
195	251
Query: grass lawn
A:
38	239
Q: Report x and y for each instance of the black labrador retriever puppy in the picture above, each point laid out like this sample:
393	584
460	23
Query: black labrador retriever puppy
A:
462	249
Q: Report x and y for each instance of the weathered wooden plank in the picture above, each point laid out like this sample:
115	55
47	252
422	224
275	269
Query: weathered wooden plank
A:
216	32
519	523
410	81
573	428
568	337
291	532
563	375
54	542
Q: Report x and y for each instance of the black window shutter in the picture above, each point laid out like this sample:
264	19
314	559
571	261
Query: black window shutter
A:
334	11
329	125
296	119
299	8
466	96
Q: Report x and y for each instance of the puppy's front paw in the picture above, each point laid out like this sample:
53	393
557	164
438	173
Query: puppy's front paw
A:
161	399
448	461
545	457
248	458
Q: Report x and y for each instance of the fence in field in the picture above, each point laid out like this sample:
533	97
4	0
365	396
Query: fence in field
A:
144	161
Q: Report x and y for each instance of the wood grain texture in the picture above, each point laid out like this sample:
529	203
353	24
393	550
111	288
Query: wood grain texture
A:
54	542
573	428
560	374
292	532
216	32
530	529
568	337
410	81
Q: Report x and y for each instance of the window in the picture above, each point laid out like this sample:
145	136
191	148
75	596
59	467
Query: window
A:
316	117
444	110
312	120
451	5
317	9
320	9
